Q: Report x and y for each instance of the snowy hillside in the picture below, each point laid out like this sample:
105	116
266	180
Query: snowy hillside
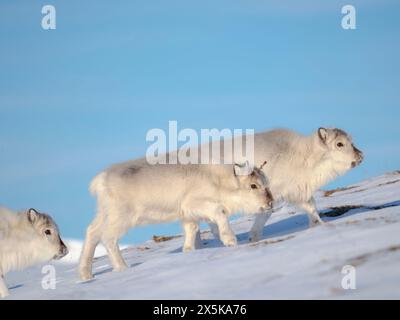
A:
292	261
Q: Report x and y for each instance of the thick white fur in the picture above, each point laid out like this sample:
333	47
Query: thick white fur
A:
22	244
299	165
135	193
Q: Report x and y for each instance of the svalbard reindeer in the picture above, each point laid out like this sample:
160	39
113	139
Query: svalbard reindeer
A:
27	238
299	165
136	193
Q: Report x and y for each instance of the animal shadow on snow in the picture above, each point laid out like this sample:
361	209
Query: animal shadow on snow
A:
299	222
110	269
279	228
283	227
296	223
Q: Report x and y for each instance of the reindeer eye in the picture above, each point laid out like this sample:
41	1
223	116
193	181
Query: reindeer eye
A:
47	232
254	186
340	145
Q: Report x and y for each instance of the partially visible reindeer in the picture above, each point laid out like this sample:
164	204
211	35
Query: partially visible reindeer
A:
298	166
27	238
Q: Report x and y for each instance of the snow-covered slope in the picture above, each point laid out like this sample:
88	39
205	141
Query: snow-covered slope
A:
292	261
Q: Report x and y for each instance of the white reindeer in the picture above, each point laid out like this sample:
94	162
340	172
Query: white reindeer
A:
27	238
135	193
298	166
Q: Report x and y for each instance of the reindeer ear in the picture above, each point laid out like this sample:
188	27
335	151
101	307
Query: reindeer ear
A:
243	169
323	134
32	215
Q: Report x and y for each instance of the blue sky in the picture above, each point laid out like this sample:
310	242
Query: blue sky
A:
76	99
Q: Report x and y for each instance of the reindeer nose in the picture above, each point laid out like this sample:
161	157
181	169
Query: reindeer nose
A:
63	250
360	155
270	198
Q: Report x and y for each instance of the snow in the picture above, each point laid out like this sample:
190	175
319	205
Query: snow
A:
292	261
